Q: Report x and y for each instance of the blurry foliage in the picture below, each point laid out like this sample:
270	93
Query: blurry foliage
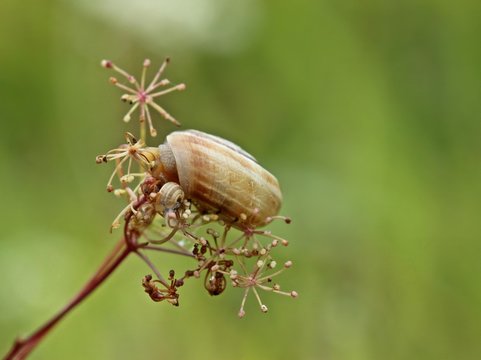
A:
368	112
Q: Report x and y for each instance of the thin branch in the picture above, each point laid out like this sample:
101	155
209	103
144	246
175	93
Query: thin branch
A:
22	347
171	251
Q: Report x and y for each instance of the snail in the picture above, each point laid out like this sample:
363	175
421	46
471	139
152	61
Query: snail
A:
215	174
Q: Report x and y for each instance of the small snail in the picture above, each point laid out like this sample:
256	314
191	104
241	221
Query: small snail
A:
214	173
170	196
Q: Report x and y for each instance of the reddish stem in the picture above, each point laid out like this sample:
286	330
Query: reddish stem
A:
22	347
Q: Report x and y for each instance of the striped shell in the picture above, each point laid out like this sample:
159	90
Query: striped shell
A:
220	177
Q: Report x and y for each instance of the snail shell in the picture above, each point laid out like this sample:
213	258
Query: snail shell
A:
219	177
171	196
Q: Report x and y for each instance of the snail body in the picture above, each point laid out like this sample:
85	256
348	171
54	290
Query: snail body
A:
217	176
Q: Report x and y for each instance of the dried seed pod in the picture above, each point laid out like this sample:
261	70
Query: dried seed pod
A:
215	283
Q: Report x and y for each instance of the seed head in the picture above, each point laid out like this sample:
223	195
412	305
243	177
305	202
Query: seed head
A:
142	96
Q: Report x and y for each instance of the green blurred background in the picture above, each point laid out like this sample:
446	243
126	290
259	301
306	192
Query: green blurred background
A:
368	112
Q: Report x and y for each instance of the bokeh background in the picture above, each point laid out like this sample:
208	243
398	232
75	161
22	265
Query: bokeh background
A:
368	112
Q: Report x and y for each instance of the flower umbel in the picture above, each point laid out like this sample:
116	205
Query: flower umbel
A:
227	251
134	149
143	96
223	254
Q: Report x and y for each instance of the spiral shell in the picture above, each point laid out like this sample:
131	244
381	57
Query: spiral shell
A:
220	177
170	197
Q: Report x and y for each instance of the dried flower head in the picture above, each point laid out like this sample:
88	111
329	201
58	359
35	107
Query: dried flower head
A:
143	96
133	149
159	218
224	255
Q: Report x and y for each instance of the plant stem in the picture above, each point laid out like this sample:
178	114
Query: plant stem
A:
22	347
